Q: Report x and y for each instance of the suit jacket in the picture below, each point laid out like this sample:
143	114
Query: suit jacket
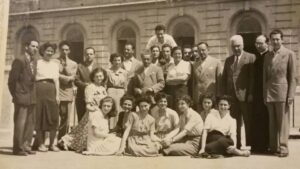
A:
238	82
67	71
136	64
206	77
154	78
83	78
279	75
21	81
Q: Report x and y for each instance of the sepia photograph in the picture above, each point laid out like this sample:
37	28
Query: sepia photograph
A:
144	84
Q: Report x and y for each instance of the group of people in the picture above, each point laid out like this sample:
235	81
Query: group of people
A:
175	101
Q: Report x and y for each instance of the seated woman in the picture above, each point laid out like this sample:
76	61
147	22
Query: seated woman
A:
139	132
219	135
99	140
186	142
166	119
77	139
207	103
127	104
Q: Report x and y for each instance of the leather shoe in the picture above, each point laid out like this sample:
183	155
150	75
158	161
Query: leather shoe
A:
54	148
20	153
282	155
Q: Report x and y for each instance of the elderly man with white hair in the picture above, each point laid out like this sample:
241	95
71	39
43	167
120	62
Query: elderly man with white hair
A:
237	82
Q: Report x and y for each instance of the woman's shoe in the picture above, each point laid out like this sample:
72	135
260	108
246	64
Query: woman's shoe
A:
42	148
54	148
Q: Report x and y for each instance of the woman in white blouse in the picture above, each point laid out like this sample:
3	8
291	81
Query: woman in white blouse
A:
219	134
47	88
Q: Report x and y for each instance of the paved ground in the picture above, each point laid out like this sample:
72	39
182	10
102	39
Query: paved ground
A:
71	160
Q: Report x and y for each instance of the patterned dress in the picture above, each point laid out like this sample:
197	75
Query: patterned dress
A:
77	138
139	140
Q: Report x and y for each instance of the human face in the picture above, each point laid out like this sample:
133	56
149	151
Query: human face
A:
32	48
186	53
182	106
155	53
276	41
65	50
202	51
223	105
146	60
98	78
128	51
89	55
160	35
144	107
237	47
195	52
261	44
162	103
117	62
166	53
106	107
177	55
127	105
48	53
207	104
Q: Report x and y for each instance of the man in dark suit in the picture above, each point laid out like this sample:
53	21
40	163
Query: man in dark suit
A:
21	84
82	79
260	116
237	80
279	84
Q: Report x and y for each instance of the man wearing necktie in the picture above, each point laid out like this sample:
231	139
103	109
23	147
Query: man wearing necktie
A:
237	82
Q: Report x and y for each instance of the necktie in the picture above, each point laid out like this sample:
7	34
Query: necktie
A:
236	63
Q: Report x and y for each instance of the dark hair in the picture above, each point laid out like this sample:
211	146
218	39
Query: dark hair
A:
185	98
143	99
265	36
160	27
97	70
131	44
225	97
207	96
276	31
115	55
166	46
27	43
62	43
127	97
200	43
154	46
160	96
113	112
176	48
90	48
45	46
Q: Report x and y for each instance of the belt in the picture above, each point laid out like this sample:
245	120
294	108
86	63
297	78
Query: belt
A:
46	81
116	87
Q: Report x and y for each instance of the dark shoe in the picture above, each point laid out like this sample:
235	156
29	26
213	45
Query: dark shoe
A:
29	151
20	153
54	148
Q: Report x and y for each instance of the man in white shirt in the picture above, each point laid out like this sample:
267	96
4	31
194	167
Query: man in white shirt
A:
160	38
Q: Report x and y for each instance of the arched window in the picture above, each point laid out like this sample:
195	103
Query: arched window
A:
25	34
184	34
249	25
125	35
75	35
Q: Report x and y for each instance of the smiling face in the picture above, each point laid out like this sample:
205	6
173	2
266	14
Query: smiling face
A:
117	62
207	104
106	107
223	105
202	51
160	35
182	106
177	55
98	78
127	105
128	51
276	41
48	53
162	103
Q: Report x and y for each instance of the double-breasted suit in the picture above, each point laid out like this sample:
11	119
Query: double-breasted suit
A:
279	84
82	80
21	84
237	82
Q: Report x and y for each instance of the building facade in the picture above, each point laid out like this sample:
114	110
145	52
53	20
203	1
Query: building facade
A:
107	25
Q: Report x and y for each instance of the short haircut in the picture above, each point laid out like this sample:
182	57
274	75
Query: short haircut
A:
154	46
90	48
127	97
200	43
166	46
97	70
236	38
130	44
276	31
143	99
187	47
176	48
115	55
64	42
45	46
160	27
160	96
186	98
113	112
27	43
225	97
265	36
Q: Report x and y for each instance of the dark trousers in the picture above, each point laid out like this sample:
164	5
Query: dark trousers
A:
24	120
278	126
241	111
80	107
217	143
64	108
